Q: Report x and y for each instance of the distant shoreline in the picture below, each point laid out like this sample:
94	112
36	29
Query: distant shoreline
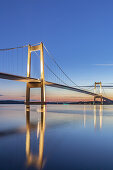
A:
65	103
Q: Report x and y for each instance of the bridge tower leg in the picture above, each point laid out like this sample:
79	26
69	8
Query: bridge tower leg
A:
28	75
42	84
42	74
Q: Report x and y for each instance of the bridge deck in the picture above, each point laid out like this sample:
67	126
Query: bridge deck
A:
33	80
73	89
17	78
69	88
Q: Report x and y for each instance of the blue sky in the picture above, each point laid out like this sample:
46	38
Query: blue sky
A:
79	33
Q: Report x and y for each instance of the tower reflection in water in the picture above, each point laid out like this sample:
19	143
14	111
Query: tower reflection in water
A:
98	119
98	114
35	160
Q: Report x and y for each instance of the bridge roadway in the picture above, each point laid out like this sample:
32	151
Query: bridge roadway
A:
35	81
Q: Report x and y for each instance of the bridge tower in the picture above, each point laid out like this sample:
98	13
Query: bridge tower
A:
100	94
41	84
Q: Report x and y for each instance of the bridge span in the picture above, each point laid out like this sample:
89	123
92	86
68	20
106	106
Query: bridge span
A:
35	83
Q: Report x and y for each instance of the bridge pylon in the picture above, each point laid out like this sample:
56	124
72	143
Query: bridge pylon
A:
40	84
100	94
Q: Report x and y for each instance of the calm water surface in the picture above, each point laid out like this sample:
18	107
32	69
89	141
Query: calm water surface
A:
56	137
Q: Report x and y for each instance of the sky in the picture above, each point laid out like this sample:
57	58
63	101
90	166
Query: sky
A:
79	33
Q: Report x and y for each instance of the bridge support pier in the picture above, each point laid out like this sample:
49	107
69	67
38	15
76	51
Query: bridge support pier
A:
98	96
31	84
27	93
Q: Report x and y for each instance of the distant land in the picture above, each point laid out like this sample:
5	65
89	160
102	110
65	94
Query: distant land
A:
11	101
79	102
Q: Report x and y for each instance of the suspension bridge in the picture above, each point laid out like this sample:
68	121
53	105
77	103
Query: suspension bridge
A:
39	81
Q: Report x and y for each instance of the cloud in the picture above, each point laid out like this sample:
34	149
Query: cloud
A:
1	95
103	64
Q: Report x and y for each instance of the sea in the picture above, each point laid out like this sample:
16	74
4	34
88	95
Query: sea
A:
56	137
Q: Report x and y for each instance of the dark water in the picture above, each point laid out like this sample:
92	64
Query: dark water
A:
56	137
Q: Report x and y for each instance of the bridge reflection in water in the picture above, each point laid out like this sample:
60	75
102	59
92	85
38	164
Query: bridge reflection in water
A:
35	160
38	160
63	122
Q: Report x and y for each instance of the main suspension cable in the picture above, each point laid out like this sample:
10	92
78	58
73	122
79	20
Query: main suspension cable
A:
7	49
52	71
60	67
